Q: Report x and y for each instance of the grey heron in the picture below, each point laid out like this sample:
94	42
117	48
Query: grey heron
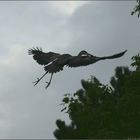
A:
55	62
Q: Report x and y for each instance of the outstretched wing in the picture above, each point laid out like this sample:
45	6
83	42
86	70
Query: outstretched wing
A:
41	57
113	56
78	61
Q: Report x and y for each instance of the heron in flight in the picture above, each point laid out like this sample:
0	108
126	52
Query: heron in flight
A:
55	62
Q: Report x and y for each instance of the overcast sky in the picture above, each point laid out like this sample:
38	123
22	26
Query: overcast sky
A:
101	28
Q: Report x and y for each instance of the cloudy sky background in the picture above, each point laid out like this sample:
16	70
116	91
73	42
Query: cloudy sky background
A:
102	28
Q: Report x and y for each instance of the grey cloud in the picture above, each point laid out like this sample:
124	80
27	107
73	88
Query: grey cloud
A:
102	28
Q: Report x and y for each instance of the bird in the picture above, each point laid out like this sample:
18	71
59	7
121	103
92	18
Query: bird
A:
55	62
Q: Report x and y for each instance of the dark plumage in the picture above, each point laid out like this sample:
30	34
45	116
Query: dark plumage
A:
41	57
58	64
83	60
55	62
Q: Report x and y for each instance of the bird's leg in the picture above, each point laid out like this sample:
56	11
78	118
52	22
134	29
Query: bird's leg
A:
38	79
48	83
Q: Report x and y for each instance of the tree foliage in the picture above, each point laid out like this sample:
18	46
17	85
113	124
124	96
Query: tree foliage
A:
104	111
136	9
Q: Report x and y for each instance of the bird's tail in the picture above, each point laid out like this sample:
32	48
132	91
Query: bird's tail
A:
114	56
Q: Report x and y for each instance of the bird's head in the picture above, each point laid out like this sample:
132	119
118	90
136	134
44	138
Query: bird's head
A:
84	53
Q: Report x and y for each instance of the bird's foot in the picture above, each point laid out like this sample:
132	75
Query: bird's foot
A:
48	84
36	82
38	79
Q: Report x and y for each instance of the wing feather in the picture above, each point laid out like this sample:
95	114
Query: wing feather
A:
114	56
41	57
